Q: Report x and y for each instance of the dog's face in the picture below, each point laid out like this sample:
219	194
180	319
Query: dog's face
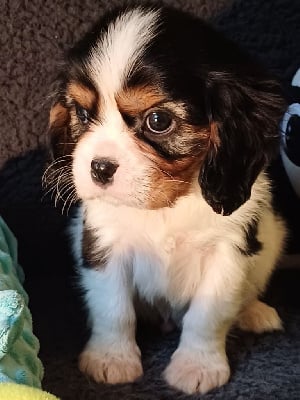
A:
152	102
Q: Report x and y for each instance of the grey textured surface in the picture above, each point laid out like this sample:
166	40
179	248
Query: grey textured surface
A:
33	37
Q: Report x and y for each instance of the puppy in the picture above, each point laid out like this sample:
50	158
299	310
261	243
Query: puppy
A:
162	129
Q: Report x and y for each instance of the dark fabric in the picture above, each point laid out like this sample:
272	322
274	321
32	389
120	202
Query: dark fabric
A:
264	367
33	36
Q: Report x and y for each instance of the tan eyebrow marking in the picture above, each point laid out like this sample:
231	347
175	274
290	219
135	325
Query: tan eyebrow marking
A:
133	101
82	95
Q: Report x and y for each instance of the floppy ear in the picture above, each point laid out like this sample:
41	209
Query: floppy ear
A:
244	115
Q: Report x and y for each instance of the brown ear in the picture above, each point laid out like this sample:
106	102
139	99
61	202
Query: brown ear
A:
59	125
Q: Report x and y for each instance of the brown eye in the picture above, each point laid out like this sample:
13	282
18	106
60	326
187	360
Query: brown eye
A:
159	122
82	114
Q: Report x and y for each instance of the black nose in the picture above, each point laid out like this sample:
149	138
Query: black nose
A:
102	170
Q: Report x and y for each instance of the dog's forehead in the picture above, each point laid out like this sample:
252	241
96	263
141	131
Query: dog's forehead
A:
119	48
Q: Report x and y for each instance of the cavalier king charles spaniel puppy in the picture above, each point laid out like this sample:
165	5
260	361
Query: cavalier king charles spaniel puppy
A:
162	130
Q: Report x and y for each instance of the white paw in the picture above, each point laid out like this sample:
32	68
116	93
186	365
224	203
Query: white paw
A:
258	317
111	366
191	372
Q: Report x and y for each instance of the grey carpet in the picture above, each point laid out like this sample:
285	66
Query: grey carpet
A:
33	36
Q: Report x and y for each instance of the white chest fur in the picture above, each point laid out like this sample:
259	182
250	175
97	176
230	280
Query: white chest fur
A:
165	250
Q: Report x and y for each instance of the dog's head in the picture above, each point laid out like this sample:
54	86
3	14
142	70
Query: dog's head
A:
153	101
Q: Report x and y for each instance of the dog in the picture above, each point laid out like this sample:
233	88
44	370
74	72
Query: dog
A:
163	129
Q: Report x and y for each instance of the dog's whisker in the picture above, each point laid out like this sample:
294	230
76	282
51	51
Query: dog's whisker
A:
65	185
69	200
60	159
59	181
178	181
52	168
158	168
47	193
65	205
58	193
155	165
65	191
52	175
51	187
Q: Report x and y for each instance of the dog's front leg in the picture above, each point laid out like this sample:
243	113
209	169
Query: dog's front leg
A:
111	355
200	363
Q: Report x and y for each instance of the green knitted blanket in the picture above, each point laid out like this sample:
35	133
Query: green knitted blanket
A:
18	346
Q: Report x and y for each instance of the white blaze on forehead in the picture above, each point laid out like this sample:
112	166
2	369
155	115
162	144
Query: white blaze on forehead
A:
118	50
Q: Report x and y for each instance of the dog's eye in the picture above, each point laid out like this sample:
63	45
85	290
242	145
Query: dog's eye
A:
159	122
82	114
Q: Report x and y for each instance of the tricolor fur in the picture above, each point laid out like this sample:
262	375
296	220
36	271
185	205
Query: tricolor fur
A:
181	217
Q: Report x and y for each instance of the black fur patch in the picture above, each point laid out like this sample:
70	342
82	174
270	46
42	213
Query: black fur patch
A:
252	245
93	256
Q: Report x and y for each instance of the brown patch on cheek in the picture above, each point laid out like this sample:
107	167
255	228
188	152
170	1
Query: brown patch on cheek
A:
82	95
139	99
171	179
